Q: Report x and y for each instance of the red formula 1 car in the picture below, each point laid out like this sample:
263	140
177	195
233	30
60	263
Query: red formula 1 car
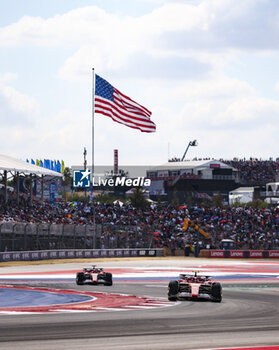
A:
94	275
195	287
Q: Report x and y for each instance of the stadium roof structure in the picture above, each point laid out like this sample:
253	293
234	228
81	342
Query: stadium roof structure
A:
186	164
12	164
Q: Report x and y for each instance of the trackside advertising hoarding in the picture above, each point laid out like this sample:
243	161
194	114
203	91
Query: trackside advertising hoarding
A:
261	254
273	253
256	254
236	253
217	253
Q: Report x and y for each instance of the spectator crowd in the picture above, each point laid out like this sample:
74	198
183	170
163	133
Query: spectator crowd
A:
163	225
252	170
255	171
159	225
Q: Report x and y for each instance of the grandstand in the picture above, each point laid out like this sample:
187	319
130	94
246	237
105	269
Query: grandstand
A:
197	178
39	225
204	178
256	172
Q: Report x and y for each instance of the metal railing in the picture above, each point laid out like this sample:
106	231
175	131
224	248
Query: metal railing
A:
43	236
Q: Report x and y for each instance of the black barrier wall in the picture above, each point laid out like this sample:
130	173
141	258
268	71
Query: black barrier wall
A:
78	254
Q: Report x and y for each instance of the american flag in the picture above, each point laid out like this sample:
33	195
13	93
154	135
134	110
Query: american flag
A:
122	109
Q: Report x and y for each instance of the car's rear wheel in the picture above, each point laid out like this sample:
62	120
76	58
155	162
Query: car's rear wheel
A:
80	278
108	279
173	290
216	292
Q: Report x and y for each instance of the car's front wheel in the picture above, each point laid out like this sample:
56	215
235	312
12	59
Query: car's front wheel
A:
108	279
216	292
80	278
173	290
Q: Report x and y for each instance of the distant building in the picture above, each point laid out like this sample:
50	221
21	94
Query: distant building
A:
241	195
272	193
198	179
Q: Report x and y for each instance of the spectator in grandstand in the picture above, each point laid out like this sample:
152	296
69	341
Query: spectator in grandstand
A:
255	171
126	226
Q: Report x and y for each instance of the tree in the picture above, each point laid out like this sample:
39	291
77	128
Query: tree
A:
159	204
175	199
257	203
188	199
105	198
206	202
138	199
217	201
237	204
68	178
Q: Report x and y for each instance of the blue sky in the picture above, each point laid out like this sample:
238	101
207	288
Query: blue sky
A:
207	69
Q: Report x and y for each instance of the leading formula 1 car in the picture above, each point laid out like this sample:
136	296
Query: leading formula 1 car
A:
94	275
195	287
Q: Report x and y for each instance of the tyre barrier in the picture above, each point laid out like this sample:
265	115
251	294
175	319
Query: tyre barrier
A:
79	254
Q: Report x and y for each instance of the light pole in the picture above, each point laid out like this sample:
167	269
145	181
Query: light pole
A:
85	165
191	143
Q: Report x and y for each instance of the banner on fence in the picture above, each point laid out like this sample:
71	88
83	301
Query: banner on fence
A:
240	254
78	254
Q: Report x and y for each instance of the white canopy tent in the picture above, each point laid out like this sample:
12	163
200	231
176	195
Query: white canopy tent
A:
17	166
12	164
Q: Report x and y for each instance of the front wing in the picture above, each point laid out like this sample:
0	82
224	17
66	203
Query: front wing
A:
194	292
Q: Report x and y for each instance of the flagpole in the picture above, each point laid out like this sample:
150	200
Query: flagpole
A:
92	169
93	105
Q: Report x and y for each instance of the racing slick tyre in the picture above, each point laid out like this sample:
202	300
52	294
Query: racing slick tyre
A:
216	292
80	278
173	290
108	279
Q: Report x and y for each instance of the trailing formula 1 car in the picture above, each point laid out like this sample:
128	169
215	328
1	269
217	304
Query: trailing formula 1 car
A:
94	275
195	287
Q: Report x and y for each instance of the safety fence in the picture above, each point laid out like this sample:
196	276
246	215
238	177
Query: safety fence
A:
43	236
79	254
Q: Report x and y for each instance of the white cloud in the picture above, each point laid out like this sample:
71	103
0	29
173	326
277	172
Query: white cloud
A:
175	31
62	139
7	77
173	60
77	67
139	65
276	87
16	108
226	109
83	25
219	88
91	25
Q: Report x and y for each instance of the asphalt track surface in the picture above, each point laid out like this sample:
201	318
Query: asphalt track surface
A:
247	316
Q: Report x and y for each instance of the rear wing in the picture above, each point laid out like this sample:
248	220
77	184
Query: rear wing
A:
183	275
